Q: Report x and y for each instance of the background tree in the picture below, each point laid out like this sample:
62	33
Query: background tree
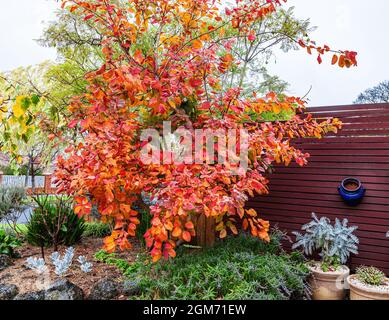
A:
28	120
378	94
27	132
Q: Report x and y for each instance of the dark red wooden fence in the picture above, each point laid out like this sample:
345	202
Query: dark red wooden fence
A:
360	149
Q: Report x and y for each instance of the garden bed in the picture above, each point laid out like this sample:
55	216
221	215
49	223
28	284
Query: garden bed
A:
26	279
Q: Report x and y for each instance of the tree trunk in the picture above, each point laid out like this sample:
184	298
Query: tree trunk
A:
27	173
205	232
32	176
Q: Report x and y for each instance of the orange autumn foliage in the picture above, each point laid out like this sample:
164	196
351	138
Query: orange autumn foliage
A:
139	88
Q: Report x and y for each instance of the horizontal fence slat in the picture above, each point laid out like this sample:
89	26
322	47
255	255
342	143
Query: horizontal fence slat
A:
354	147
329	178
334	109
335	139
349	114
333	171
325	184
340	165
350	159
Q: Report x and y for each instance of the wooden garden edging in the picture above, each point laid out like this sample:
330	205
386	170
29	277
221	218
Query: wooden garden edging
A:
361	150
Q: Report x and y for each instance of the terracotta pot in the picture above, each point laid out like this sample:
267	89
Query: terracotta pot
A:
328	285
360	292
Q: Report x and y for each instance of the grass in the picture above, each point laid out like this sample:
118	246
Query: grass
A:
20	228
92	229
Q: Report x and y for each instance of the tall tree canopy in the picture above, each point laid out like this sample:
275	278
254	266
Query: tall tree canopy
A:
170	60
129	66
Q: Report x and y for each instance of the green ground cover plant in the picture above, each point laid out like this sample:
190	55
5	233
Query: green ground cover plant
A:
237	268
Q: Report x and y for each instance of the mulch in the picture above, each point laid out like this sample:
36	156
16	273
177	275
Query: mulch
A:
28	280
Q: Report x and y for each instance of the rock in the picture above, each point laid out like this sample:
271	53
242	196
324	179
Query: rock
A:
64	290
130	288
5	262
8	291
38	295
105	289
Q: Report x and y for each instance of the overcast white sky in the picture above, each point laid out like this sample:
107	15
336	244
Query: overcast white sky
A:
343	24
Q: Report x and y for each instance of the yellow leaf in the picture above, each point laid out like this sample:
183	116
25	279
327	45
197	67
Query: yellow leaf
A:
197	44
223	234
276	108
18	110
172	104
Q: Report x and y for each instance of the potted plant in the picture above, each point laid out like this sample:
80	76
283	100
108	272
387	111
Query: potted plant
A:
352	191
368	283
336	243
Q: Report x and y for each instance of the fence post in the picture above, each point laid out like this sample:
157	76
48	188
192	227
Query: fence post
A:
47	186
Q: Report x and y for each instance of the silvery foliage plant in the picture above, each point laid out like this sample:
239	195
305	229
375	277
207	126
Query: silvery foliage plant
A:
337	242
38	265
62	265
85	266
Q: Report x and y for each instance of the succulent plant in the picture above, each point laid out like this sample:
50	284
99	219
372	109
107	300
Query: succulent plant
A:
62	265
336	242
38	265
85	266
370	276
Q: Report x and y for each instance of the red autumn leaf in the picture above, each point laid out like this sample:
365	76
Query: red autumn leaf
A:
186	236
189	225
177	232
252	36
334	59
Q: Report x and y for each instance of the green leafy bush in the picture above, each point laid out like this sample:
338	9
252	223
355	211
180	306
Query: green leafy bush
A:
97	230
370	276
54	223
8	243
237	268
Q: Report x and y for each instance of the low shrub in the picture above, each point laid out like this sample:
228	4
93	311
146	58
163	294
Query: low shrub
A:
54	223
110	258
97	230
8	244
238	268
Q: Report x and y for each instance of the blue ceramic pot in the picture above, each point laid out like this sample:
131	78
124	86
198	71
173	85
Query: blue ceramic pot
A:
354	196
